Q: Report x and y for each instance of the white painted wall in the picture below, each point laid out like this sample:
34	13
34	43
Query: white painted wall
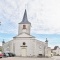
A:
57	51
29	43
21	30
34	47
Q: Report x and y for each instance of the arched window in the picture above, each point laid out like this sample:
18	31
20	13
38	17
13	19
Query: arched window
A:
24	43
24	26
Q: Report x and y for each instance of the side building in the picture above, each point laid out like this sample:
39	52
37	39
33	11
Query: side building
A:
56	51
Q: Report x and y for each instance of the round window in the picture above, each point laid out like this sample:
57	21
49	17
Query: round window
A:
24	43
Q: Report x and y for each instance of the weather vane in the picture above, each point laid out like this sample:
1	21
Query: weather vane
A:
25	6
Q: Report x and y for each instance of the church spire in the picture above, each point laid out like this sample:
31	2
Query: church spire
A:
25	19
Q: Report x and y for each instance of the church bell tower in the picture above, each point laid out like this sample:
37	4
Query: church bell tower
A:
24	25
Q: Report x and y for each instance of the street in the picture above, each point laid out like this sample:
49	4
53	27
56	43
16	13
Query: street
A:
26	58
23	58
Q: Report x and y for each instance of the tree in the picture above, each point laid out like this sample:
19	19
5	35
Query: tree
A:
0	48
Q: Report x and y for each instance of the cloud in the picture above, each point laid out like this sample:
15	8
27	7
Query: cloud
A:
44	15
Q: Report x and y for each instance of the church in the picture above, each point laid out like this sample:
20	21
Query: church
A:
24	44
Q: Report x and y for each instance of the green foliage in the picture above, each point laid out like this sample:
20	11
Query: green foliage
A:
0	49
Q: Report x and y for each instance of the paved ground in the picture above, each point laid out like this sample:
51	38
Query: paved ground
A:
56	57
20	58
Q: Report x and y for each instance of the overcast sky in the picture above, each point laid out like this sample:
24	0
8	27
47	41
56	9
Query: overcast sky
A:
44	16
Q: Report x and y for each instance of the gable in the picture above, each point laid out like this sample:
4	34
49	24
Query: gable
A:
24	35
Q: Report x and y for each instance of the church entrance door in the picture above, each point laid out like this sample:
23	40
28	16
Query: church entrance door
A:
24	52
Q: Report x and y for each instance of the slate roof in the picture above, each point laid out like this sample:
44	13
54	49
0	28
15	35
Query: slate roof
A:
55	47
3	41
46	40
25	19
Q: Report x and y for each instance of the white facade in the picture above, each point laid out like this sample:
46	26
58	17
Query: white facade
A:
24	44
56	50
27	30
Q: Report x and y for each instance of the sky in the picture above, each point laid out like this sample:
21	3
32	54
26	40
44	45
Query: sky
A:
44	16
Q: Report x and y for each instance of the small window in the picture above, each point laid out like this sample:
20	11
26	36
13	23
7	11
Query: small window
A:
24	26
24	43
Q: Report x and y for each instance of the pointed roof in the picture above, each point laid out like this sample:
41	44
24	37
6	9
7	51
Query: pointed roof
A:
46	40
3	41
56	47
25	19
24	35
